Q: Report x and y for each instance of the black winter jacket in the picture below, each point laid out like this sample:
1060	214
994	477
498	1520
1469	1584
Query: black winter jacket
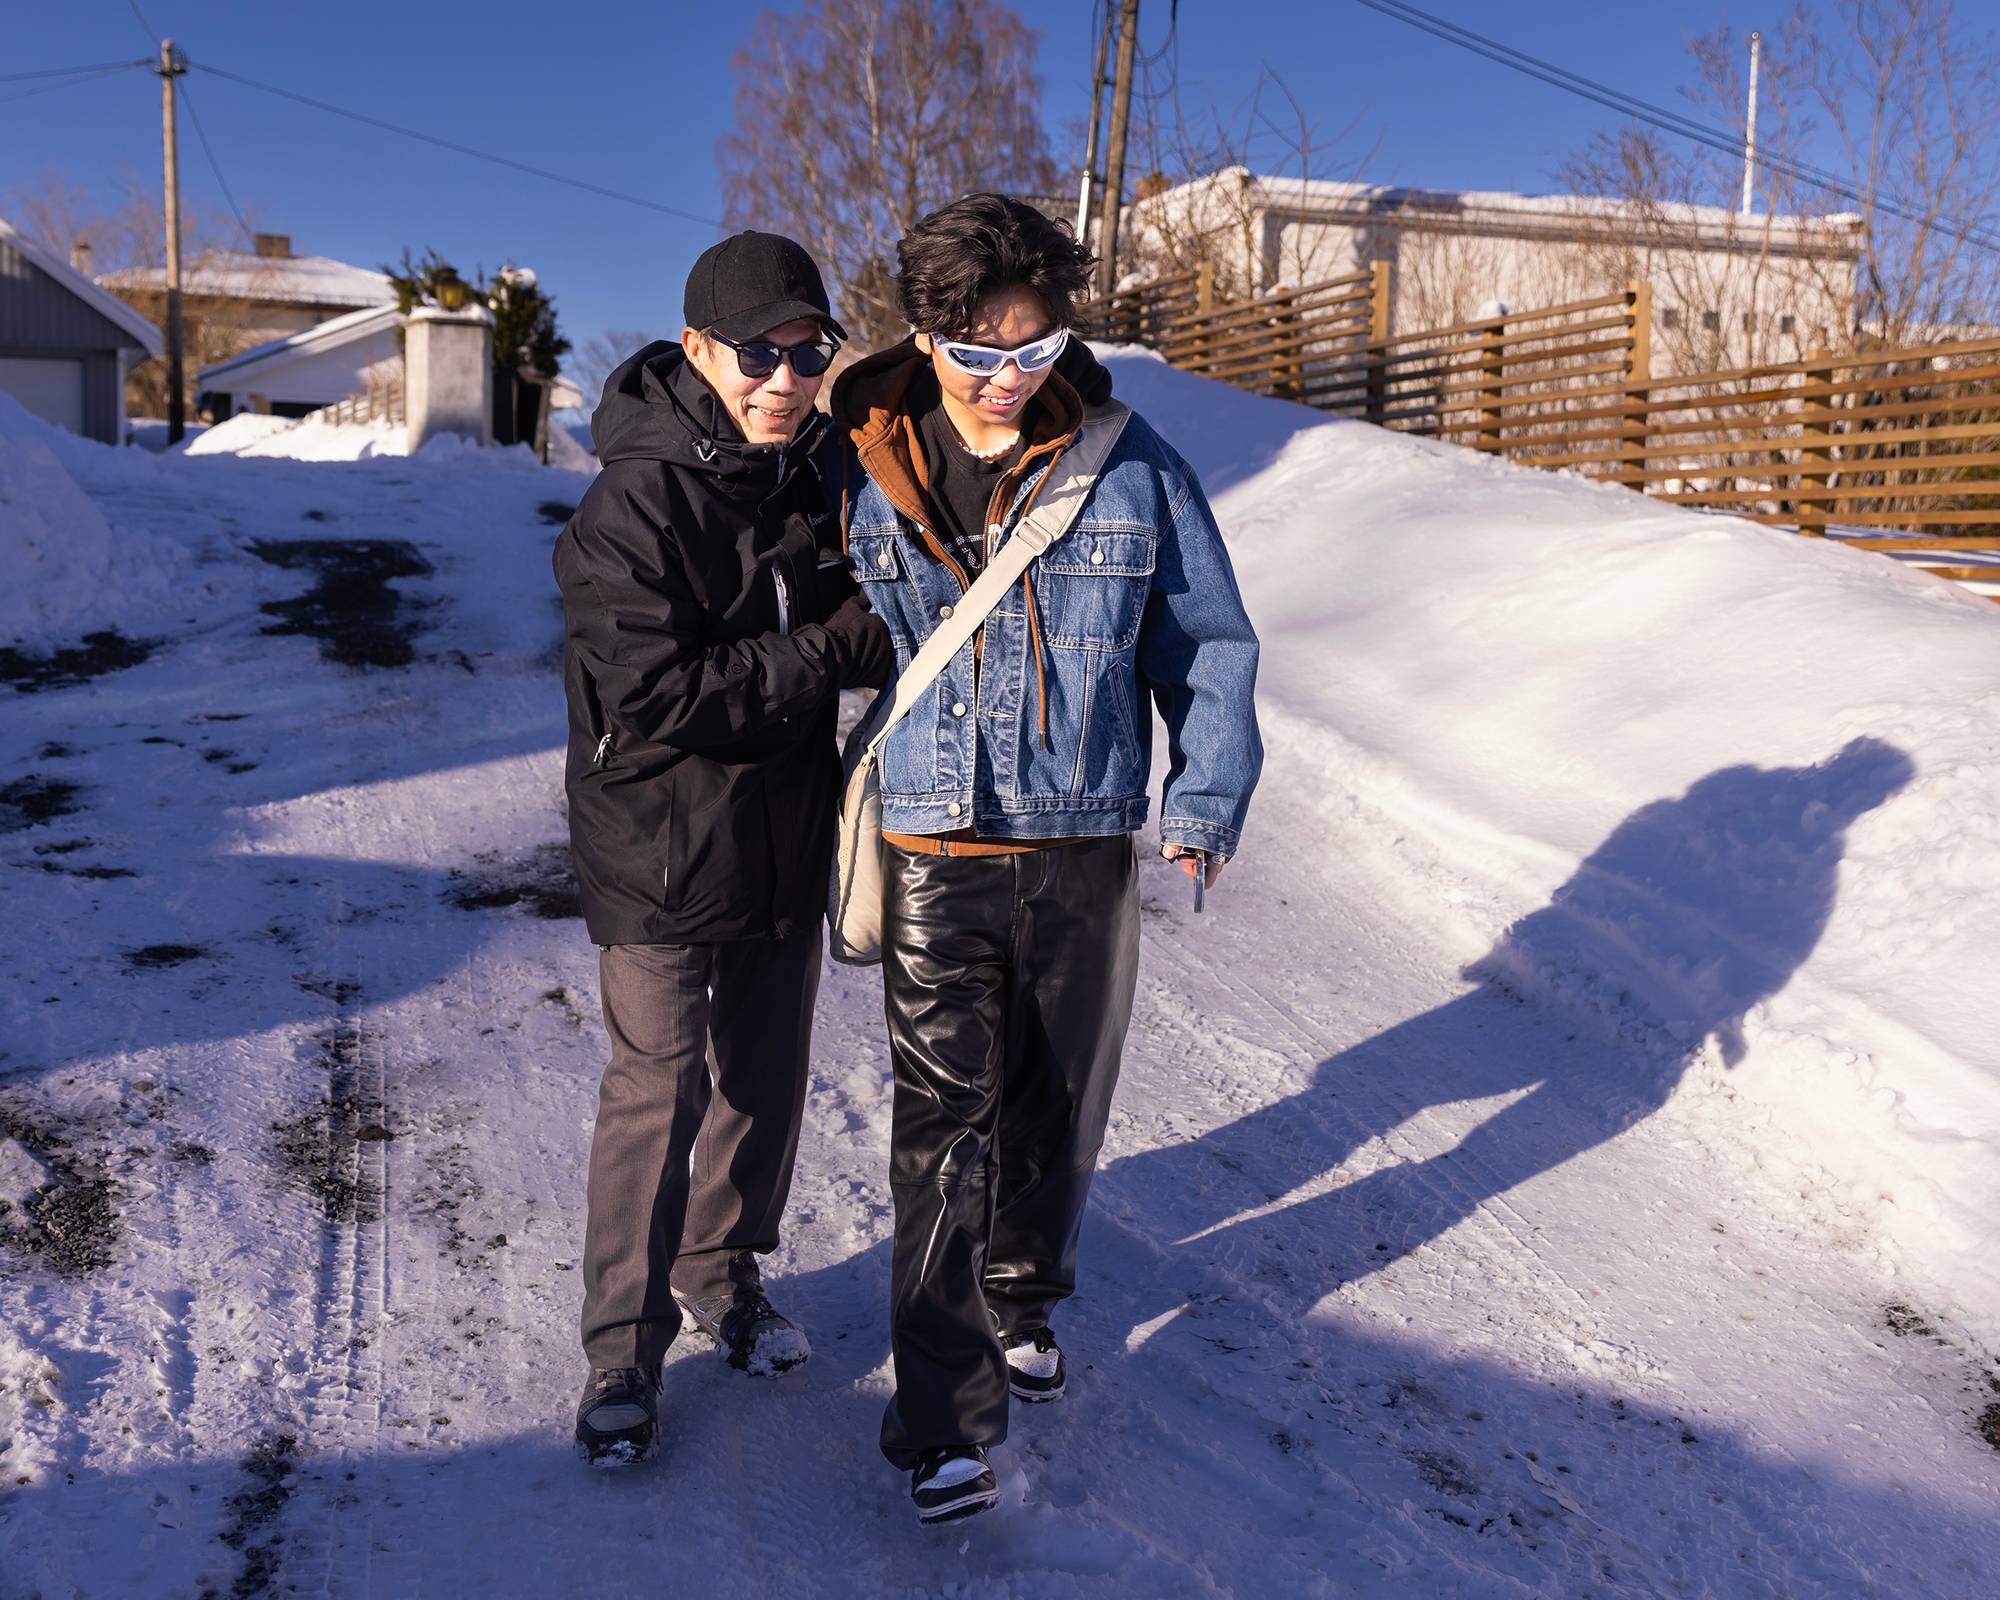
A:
702	774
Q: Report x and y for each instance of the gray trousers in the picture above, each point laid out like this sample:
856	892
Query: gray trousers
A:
697	1129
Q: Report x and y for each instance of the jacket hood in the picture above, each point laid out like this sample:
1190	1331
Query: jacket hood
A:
657	408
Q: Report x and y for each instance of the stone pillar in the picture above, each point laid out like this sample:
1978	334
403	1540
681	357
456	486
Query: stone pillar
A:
448	374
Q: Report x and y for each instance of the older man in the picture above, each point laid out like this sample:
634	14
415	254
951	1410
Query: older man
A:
710	624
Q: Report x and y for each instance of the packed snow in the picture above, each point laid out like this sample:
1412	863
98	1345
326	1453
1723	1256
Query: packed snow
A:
1559	1160
299	439
67	573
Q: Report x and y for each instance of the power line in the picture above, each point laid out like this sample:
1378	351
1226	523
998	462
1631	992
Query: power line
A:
1577	82
214	166
461	149
71	72
1669	121
1173	30
151	31
71	83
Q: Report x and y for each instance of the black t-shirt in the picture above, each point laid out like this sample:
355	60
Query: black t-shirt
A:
961	484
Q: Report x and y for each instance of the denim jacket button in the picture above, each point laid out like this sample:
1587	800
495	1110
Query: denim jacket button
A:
953	809
1097	558
885	560
958	708
944	612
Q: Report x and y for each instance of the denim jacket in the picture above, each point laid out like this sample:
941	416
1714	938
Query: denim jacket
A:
1136	603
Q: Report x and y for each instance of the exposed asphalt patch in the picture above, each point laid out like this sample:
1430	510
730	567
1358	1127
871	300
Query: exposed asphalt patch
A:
1906	1322
1444	1473
319	1147
357	618
82	872
35	799
106	651
269	1469
544	881
154	957
555	512
342	992
70	1222
448	1193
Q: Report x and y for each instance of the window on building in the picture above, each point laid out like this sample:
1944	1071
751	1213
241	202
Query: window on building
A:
1787	324
1711	321
1749	322
1670	317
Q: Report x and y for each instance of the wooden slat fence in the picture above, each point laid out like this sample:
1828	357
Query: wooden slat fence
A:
1895	450
380	399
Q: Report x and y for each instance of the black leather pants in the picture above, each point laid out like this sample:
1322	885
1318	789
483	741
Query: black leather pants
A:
1008	984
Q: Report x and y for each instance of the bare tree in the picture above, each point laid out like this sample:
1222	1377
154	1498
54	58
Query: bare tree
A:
1201	191
126	229
598	358
1897	102
854	118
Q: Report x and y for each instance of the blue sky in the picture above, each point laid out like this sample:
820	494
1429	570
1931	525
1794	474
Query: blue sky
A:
633	96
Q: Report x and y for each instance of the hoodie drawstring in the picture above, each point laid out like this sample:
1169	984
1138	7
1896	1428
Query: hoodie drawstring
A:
1035	612
846	450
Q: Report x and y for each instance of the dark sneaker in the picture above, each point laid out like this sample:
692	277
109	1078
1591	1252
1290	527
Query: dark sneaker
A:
953	1483
752	1336
1035	1369
617	1423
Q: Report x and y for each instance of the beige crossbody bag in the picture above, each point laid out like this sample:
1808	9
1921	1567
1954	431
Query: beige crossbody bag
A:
854	903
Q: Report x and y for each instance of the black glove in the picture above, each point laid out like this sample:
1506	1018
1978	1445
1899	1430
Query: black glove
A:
859	642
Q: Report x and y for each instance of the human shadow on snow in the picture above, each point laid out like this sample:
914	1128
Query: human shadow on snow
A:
1691	913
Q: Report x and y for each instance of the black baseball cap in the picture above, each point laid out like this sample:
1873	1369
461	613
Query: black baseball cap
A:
754	282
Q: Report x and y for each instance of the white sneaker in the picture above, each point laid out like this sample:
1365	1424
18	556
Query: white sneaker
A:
1035	1368
954	1483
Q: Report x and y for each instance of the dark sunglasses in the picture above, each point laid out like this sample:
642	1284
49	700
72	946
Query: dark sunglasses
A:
759	358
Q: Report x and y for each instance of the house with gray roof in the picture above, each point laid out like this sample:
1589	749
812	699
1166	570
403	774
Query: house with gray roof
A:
66	344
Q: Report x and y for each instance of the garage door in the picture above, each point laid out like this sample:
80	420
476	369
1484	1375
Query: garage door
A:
52	390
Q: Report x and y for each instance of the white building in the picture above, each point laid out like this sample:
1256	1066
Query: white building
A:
300	372
1728	289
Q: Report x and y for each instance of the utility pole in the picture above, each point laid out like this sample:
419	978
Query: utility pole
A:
1114	166
1750	125
173	63
1096	116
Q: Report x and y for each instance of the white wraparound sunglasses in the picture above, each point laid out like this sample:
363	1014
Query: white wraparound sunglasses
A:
983	360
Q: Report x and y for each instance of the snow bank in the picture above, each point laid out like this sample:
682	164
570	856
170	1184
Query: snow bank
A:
1732	792
67	574
301	439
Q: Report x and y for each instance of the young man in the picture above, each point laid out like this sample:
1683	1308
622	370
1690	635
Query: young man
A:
710	623
1011	922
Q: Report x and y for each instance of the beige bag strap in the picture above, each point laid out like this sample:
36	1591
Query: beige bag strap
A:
1055	508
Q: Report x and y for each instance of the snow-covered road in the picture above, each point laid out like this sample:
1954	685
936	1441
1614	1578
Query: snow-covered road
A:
1398	1281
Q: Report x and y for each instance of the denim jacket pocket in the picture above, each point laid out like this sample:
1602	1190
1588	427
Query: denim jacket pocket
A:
878	566
1096	582
874	558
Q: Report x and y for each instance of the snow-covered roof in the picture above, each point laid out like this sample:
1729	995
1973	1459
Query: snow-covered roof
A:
105	305
1839	231
321	337
239	275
